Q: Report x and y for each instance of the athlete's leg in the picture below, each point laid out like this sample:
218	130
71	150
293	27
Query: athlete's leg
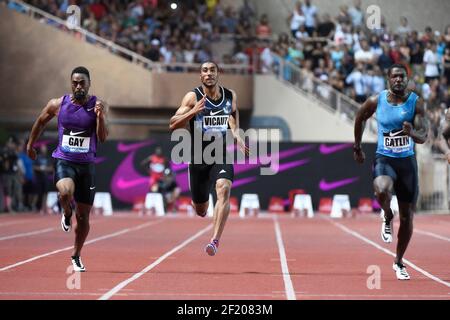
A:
222	208
66	190
201	208
82	229
200	186
405	230
84	197
407	190
383	186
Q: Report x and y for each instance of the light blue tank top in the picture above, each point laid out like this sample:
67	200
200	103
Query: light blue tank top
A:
392	142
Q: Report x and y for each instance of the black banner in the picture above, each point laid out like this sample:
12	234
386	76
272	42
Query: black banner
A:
320	169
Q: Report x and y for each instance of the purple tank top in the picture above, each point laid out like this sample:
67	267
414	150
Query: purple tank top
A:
77	131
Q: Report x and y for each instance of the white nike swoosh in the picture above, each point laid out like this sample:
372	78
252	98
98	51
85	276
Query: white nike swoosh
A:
76	133
90	109
92	188
391	134
214	113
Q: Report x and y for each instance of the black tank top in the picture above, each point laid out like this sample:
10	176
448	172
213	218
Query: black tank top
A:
212	122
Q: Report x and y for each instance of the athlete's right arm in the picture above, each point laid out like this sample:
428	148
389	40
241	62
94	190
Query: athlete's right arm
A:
189	108
47	114
367	109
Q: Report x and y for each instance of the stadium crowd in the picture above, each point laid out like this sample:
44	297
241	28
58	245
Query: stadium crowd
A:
336	48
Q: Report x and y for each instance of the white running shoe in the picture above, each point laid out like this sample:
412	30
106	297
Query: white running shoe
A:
66	223
212	247
400	271
77	264
387	230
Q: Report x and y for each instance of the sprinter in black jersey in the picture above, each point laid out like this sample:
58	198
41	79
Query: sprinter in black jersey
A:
211	112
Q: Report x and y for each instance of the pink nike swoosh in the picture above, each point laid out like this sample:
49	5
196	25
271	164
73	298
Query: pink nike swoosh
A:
121	147
326	186
324	149
125	184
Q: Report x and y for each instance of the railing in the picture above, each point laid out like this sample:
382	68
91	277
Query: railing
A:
326	95
114	48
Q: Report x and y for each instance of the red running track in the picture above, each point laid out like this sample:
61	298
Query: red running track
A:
265	258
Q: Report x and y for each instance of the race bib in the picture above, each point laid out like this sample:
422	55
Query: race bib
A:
215	123
76	141
396	141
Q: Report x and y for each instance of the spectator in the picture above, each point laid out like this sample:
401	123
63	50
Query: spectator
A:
188	53
156	163
230	20
356	14
263	29
416	52
404	29
375	46
385	60
447	35
154	52
168	187
343	16
301	33
337	56
310	12
356	78
364	54
325	27
446	64
247	12
42	169
336	81
11	176
431	61
296	19
28	185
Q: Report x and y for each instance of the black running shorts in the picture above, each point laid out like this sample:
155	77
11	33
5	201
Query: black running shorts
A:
202	176
82	174
403	172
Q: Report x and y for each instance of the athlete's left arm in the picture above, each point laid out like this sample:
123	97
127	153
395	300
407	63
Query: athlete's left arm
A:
234	126
419	130
101	110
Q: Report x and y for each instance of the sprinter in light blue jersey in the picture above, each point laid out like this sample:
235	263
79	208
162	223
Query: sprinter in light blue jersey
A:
401	123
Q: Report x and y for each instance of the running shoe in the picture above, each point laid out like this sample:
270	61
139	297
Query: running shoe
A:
77	264
66	223
387	230
400	271
212	247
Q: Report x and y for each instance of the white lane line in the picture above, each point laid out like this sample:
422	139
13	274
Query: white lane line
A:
111	235
10	223
26	234
431	234
136	276
31	233
407	262
289	288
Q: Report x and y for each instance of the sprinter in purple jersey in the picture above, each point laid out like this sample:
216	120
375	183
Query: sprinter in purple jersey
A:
82	119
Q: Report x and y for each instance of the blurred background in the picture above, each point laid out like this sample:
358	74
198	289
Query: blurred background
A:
299	67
